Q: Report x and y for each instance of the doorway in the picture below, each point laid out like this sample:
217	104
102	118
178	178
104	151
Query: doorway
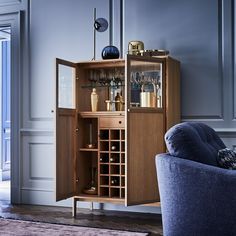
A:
5	119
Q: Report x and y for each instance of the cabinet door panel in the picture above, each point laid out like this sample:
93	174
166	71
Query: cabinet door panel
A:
66	84
65	154
66	124
145	92
144	85
144	141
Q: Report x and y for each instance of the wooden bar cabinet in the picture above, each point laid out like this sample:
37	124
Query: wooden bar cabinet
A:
108	155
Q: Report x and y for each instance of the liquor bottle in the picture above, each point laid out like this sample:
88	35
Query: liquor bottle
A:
119	102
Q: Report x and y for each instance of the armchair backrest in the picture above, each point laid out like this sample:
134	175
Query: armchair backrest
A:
194	141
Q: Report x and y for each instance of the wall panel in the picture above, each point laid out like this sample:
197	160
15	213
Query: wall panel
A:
198	33
38	162
201	34
4	3
14	14
59	30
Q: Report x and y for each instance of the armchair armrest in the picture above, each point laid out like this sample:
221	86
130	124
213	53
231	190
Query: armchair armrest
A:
205	194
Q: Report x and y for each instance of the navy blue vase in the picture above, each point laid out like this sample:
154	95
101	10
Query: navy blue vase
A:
110	52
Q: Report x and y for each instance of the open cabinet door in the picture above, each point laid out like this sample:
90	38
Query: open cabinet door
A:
66	124
145	131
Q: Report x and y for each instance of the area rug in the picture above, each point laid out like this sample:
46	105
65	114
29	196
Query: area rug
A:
31	228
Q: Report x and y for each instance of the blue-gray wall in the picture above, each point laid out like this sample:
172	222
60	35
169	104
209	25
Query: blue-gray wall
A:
199	33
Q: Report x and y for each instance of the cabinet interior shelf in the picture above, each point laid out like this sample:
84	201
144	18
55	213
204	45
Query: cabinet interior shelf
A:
96	198
88	114
113	152
101	86
88	149
114	186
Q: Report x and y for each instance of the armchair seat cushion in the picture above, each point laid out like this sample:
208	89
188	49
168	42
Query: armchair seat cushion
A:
194	141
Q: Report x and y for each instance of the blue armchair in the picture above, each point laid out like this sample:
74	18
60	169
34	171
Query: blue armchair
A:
198	198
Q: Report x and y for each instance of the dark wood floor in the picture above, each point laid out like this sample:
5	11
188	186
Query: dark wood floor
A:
142	222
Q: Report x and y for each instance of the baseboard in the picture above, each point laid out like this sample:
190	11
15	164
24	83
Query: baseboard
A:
48	198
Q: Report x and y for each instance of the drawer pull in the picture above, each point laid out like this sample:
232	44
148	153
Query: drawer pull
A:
120	122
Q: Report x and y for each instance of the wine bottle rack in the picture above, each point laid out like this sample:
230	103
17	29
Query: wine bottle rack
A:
111	162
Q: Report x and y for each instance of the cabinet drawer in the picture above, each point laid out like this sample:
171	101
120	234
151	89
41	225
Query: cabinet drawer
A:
112	122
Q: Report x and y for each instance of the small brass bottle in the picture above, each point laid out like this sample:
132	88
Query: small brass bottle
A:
94	100
119	102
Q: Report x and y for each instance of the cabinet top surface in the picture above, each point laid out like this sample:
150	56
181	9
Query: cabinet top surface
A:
94	63
120	62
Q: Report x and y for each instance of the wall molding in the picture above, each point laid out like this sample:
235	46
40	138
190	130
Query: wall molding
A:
37	161
226	67
14	19
37	189
205	118
221	54
28	102
36	132
43	119
216	117
30	155
10	2
226	133
234	59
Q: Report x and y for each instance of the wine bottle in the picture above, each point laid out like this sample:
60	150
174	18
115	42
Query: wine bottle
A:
114	159
115	182
103	159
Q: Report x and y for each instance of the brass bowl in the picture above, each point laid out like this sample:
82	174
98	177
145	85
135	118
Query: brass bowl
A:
154	52
91	191
90	145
